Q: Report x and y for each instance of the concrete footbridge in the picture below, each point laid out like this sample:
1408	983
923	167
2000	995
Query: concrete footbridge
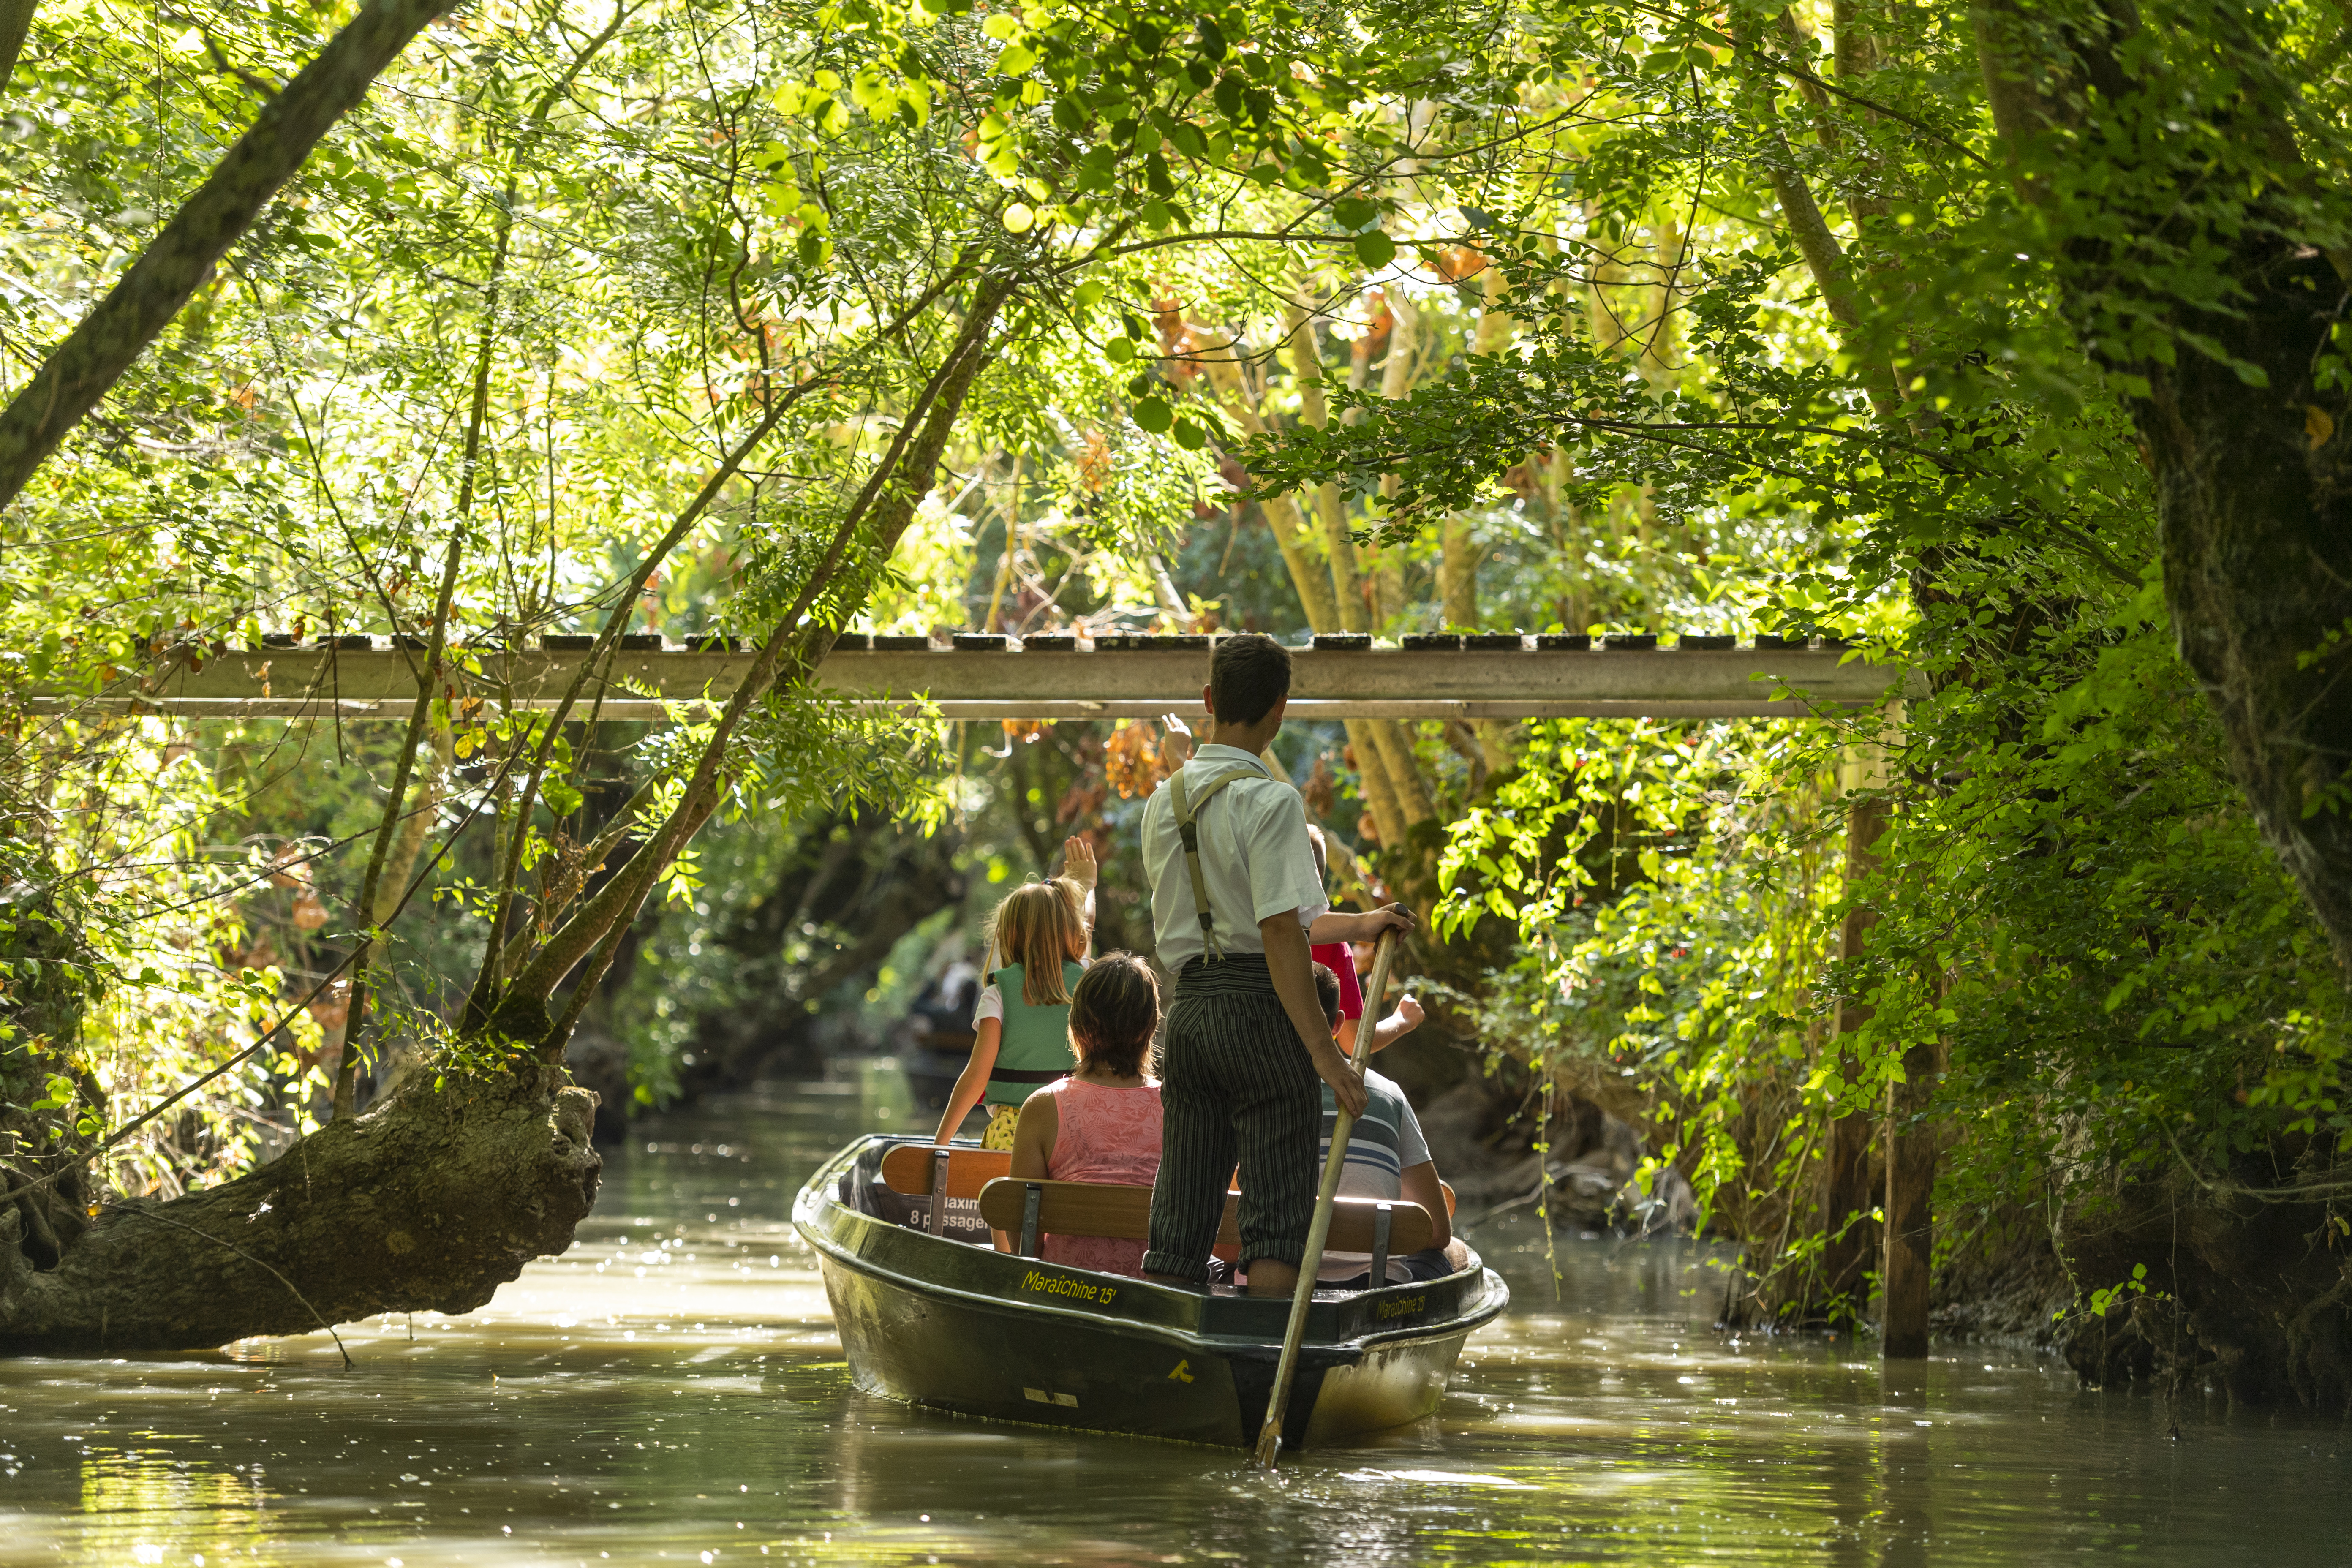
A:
966	676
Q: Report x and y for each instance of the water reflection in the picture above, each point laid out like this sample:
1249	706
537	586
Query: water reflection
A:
671	1390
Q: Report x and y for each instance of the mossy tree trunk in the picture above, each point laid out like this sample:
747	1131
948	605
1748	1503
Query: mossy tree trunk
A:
429	1203
2252	462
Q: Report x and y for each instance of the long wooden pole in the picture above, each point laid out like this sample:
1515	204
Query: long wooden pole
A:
1270	1437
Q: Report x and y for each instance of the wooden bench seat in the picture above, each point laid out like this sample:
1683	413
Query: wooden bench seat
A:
1090	1208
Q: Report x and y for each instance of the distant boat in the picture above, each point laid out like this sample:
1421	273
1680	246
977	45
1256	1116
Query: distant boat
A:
933	1066
957	1325
939	1037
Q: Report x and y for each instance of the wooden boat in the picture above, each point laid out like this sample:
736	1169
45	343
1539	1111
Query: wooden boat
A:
944	1320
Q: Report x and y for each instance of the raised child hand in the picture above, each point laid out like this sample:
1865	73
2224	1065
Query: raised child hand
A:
1079	860
1408	1013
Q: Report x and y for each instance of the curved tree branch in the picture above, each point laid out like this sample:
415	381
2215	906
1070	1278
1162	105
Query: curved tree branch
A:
109	339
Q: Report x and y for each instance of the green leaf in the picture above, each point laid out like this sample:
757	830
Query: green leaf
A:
1119	349
1015	61
1153	414
1189	436
1375	250
1354	212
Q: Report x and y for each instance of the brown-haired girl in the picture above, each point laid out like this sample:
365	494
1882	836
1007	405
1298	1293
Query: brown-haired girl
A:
1037	940
1101	1123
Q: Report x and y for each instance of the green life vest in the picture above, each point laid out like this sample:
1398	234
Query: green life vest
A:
1035	1045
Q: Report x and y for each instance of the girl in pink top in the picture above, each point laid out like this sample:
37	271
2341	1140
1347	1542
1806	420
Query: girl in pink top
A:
1102	1122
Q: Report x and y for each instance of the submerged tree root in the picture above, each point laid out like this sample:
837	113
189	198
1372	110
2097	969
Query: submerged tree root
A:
429	1202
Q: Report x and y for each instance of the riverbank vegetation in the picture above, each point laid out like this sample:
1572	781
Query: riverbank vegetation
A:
2003	344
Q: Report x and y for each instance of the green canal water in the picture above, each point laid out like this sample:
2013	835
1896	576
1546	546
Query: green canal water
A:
671	1392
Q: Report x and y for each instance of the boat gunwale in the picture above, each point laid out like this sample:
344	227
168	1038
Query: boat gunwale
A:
1492	1298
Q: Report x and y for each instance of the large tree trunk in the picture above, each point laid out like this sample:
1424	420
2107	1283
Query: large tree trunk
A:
69	383
2257	532
2251	480
428	1202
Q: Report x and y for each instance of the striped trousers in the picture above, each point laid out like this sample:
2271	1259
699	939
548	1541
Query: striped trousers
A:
1236	1087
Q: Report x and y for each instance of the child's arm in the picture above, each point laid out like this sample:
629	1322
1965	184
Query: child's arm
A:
972	1082
1078	866
1399	1024
1033	1138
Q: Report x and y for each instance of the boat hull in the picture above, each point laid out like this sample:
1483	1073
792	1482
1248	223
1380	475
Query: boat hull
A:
962	1327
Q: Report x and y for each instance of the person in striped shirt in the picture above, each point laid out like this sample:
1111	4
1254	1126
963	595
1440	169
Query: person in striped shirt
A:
1388	1159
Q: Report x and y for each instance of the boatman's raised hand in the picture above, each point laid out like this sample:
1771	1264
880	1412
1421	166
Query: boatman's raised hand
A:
1333	926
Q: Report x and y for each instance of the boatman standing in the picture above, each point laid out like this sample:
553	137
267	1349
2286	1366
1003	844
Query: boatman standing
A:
1246	1049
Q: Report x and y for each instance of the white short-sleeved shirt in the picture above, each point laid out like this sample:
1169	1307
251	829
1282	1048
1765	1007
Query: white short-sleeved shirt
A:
1255	858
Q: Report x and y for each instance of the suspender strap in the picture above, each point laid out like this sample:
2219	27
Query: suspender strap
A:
1188	828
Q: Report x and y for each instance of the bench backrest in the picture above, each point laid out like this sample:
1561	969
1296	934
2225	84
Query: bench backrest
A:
908	1169
1091	1208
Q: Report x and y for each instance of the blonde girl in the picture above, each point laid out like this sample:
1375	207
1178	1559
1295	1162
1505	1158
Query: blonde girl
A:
1037	940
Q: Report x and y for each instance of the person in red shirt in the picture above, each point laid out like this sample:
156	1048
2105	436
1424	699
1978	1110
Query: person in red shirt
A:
1335	953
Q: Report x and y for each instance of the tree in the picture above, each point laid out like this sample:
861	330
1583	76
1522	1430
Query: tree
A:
2220	320
516	1171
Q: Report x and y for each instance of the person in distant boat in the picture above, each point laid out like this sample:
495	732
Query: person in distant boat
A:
1388	1159
1234	891
1037	939
1101	1123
